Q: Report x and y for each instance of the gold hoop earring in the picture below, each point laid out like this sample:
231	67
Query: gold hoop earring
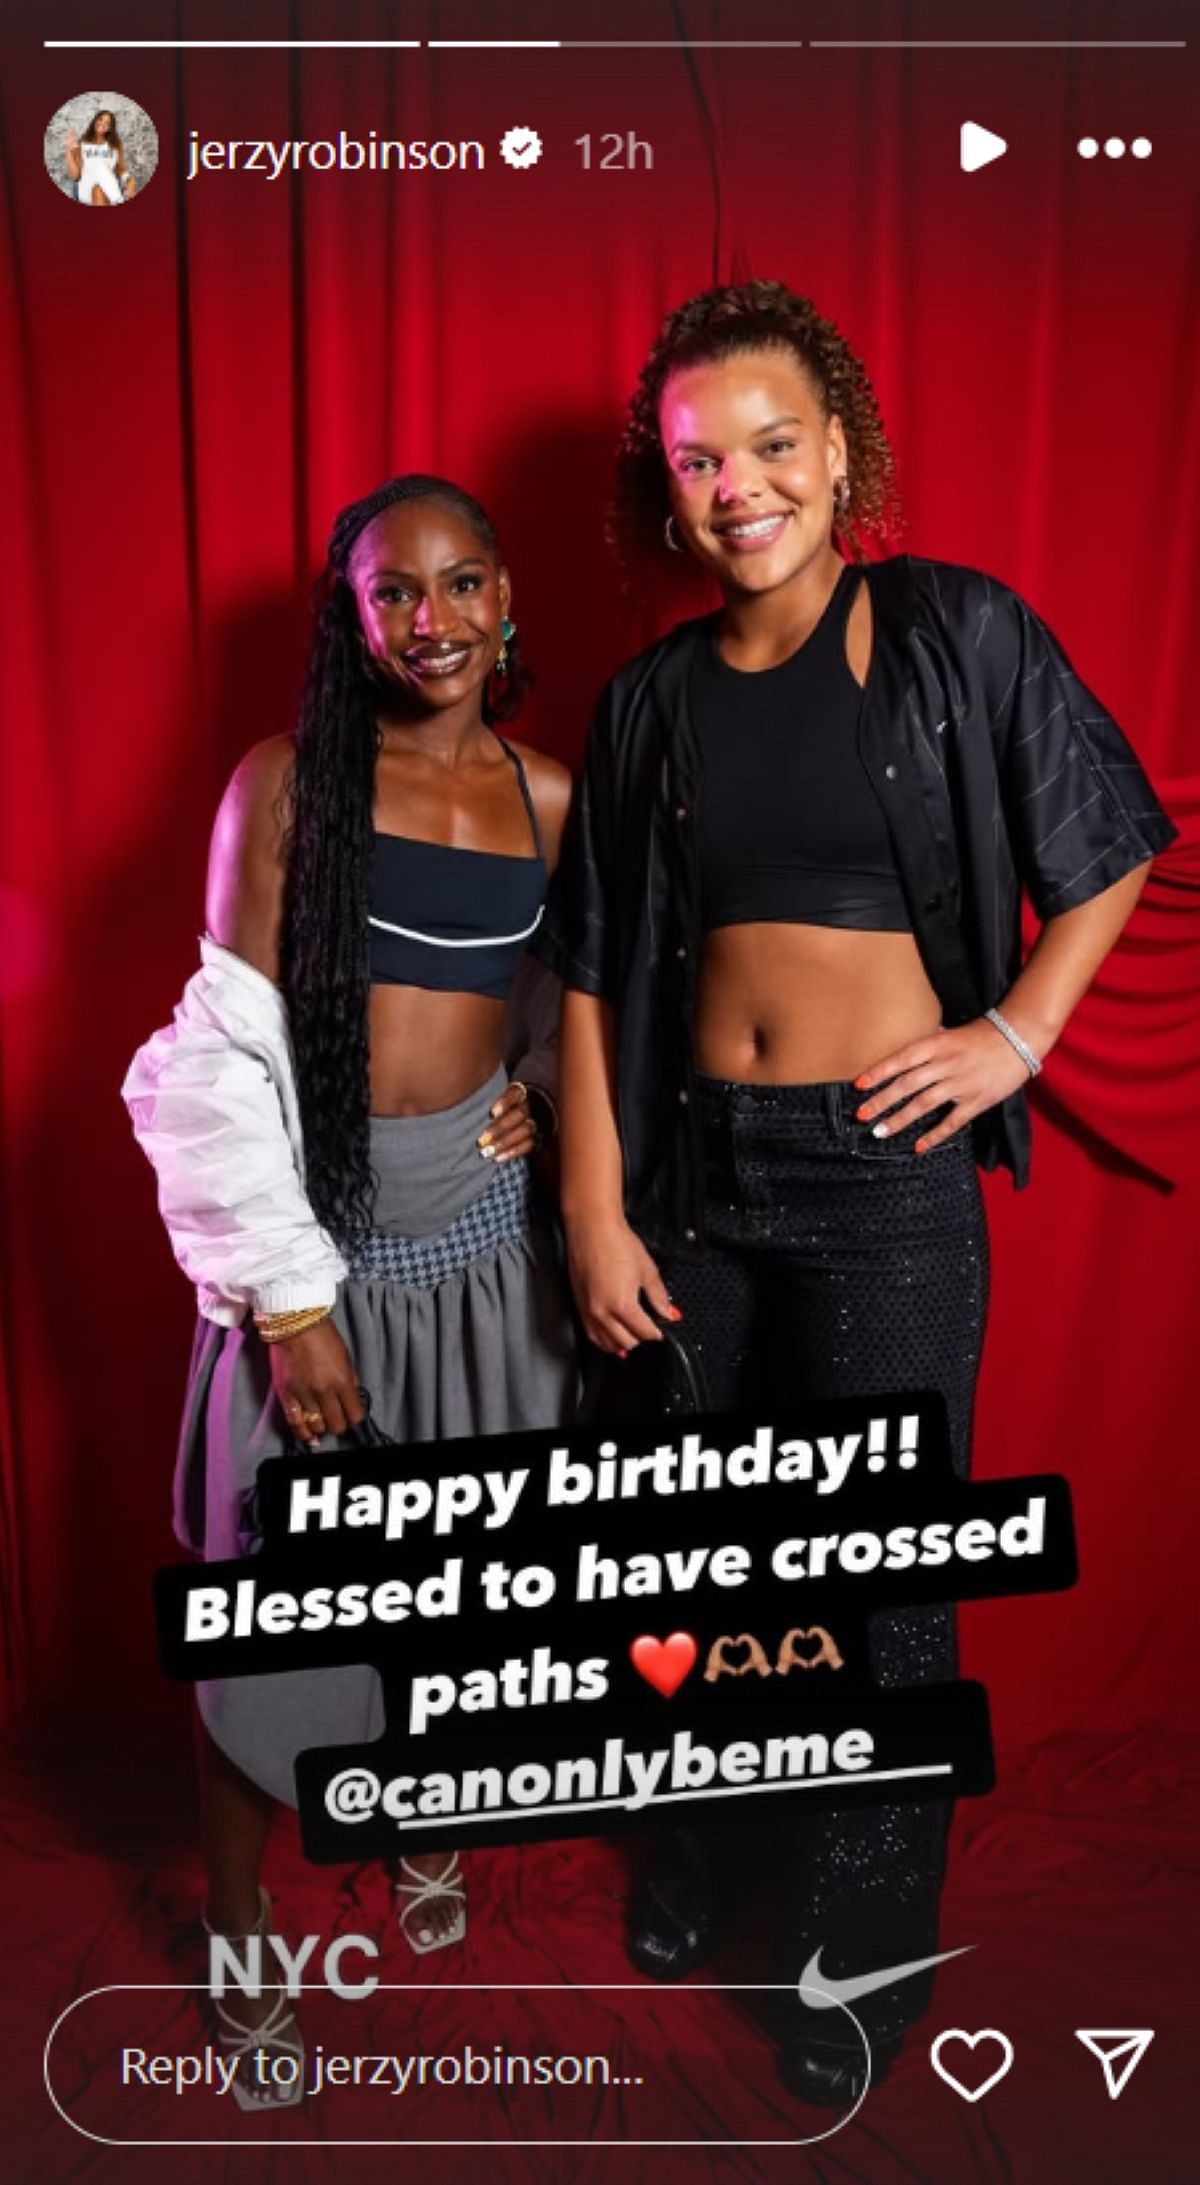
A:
670	536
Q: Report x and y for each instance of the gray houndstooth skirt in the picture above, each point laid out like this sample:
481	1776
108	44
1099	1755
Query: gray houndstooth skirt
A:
457	1319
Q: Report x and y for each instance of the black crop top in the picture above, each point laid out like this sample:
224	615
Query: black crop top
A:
455	920
789	830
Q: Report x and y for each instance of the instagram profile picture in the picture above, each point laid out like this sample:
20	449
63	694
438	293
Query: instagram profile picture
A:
101	148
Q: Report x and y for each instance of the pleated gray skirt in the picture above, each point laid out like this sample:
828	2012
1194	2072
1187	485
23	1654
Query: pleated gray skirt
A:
457	1319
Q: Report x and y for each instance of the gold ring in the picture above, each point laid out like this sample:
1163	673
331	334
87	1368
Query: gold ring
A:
312	1418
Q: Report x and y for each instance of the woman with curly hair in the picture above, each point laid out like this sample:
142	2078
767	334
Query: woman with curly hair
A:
797	1018
342	1151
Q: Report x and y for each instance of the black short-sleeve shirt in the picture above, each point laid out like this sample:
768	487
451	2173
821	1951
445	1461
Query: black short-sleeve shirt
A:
997	771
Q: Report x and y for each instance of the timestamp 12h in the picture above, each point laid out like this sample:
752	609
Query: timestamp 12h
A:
619	149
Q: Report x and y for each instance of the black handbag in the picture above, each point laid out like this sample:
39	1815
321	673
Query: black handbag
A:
657	1380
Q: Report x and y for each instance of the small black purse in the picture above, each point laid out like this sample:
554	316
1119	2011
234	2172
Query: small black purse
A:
657	1380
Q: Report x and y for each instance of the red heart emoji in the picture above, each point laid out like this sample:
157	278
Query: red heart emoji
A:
664	1663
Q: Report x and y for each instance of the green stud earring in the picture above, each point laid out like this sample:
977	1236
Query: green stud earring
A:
508	630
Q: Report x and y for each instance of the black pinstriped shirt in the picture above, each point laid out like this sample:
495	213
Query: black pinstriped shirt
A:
997	771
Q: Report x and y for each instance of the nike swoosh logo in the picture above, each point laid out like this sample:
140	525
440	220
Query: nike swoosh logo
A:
848	1991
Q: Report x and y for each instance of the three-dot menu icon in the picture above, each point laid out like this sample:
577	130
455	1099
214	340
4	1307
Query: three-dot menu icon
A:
1113	147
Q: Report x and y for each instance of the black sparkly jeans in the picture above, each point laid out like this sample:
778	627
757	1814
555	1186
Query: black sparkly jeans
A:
841	1264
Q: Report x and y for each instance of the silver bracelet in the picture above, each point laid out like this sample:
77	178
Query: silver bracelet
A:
1015	1041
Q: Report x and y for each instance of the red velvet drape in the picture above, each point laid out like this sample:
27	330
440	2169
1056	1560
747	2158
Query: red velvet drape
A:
190	392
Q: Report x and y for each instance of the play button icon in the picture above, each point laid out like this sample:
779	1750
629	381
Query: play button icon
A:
978	147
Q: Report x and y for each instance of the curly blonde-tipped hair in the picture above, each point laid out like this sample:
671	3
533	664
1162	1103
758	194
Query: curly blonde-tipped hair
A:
724	322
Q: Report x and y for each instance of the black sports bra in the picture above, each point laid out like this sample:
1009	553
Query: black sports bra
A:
455	920
788	827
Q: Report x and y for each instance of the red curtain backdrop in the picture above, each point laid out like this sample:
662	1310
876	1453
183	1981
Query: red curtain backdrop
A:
192	391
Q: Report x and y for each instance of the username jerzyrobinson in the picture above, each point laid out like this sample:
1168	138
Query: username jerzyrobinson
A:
270	158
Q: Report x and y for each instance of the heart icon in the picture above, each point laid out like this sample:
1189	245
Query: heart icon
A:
955	2033
664	1663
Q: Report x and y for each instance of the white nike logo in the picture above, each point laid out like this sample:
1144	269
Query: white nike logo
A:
848	1991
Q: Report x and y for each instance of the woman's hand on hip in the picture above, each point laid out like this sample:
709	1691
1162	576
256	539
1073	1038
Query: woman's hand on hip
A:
609	1265
971	1066
511	1132
315	1382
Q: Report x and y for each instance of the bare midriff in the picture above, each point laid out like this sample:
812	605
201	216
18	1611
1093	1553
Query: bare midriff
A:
429	1050
804	1005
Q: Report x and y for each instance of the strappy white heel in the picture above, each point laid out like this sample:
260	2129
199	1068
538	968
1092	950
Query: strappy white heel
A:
277	2032
422	1890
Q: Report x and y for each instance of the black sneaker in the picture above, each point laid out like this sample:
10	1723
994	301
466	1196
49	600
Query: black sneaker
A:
828	2075
671	1922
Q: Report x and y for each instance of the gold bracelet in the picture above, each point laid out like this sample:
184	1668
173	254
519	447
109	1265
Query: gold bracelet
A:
293	1312
280	1327
287	1318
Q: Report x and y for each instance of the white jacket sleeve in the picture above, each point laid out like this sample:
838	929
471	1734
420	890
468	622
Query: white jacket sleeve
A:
213	1102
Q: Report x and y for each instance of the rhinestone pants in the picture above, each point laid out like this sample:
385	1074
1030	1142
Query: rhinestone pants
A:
840	1264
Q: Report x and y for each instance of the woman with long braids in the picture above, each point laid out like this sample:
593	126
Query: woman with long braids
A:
342	1150
797	1017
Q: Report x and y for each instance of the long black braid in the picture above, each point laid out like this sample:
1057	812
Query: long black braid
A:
324	967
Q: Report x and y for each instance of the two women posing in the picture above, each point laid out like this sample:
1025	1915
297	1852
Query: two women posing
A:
796	1017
